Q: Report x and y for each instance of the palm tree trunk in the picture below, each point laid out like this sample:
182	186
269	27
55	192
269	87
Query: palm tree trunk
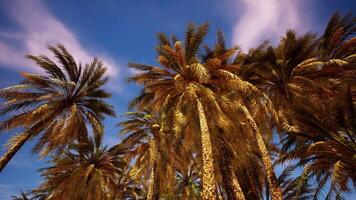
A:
151	186
238	194
231	184
153	158
20	141
276	192
209	192
22	138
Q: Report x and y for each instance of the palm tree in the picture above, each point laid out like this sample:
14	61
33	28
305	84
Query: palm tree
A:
183	86
252	114
85	171
272	69
178	83
147	150
187	89
240	101
334	62
56	105
303	67
323	138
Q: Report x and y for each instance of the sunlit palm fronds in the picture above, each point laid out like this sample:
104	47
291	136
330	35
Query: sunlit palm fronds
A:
84	171
56	105
323	141
148	151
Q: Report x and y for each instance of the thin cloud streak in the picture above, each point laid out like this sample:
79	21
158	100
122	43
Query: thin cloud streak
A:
39	28
266	20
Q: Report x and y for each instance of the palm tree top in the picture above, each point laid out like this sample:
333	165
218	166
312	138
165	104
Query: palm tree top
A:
58	104
89	167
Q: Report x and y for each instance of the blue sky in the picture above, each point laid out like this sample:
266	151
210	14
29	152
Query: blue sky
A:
120	31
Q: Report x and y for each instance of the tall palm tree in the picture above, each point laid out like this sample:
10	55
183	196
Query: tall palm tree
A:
304	67
56	105
85	171
188	95
178	83
254	110
241	101
200	89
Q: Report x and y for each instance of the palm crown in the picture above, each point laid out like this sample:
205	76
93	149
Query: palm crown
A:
57	106
91	169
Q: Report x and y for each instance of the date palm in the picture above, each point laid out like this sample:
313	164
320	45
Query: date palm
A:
272	69
178	83
303	65
147	150
335	59
55	105
304	68
323	138
182	89
242	102
84	171
197	91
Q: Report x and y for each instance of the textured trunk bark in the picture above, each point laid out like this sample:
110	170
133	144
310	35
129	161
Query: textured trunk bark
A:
24	137
230	182
153	158
239	195
209	192
150	192
13	150
275	190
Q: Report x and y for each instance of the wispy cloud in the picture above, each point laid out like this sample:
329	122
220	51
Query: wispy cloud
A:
259	20
38	28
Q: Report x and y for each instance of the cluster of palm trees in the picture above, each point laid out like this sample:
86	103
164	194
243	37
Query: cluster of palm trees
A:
204	125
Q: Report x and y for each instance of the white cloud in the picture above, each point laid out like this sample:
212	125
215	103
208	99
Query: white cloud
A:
259	20
38	28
